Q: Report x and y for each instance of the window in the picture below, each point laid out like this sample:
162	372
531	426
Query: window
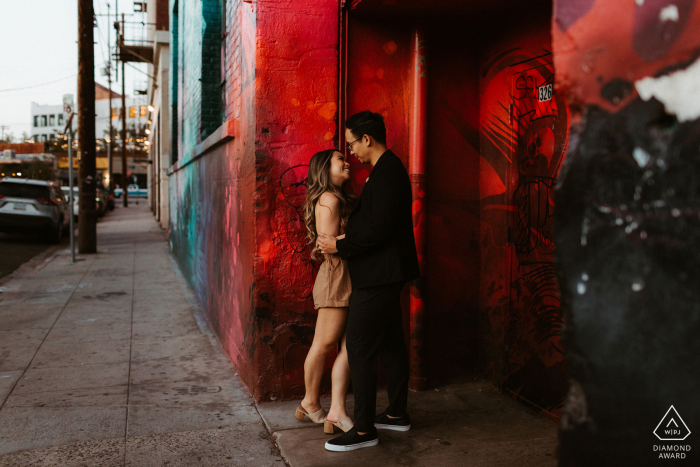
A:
211	75
222	58
36	120
175	78
132	112
114	114
60	119
52	120
43	120
52	136
43	138
143	109
21	190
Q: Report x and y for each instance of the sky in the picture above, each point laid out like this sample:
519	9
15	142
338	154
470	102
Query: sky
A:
40	54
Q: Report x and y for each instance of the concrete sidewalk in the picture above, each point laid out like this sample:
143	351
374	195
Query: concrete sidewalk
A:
462	424
108	362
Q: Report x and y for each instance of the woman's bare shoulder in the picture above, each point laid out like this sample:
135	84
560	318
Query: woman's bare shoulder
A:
328	200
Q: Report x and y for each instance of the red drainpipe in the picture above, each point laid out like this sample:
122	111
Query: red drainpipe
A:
416	169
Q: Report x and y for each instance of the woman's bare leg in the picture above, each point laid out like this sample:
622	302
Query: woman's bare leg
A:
340	376
330	326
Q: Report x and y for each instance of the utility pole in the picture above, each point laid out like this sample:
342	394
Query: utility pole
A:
109	81
125	193
87	220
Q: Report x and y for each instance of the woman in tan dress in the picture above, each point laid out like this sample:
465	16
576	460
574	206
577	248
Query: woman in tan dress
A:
328	206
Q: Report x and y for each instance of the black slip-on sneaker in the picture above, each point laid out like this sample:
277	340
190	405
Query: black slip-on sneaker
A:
351	441
384	422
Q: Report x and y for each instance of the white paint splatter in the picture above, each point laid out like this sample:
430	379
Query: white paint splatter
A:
641	156
669	13
679	92
637	285
584	277
581	288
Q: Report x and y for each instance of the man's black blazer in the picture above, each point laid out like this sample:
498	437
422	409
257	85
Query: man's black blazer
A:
379	244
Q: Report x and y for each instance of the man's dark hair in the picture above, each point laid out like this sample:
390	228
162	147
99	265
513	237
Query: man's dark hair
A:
367	123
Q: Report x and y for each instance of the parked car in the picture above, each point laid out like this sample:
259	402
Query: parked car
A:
110	201
101	198
133	191
33	205
66	193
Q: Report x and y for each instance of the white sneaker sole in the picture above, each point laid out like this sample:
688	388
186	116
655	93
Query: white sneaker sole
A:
381	426
351	447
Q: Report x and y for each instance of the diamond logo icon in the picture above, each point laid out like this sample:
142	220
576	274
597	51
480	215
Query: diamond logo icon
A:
672	427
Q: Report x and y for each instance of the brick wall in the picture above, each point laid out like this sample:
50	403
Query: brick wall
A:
197	59
190	73
238	242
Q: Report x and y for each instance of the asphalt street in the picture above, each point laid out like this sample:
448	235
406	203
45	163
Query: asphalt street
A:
18	248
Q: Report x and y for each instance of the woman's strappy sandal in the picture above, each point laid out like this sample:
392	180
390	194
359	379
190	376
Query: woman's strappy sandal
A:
345	424
317	417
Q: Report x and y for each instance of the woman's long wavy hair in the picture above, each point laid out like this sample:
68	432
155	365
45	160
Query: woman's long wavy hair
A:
318	182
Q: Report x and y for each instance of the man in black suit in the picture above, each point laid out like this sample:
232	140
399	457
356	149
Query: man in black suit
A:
381	253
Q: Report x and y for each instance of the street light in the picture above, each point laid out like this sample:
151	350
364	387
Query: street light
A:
151	108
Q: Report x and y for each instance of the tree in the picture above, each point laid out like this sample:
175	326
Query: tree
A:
8	138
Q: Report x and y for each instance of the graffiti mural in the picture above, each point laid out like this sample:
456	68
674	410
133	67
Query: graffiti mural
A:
292	186
524	136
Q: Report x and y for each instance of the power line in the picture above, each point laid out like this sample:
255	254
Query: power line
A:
139	70
39	84
99	31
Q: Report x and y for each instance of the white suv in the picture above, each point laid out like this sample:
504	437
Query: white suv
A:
33	205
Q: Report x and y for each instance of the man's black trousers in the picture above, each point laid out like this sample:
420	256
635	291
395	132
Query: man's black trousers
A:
374	330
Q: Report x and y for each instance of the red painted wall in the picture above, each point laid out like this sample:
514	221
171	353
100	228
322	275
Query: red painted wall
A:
249	258
296	115
378	68
491	302
523	142
453	164
236	228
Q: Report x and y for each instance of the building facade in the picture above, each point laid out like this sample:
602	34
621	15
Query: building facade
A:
256	88
48	122
159	126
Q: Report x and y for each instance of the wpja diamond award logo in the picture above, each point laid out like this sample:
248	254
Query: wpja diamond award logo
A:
672	428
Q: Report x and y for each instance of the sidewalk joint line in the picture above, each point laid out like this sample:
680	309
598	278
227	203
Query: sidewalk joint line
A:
49	332
131	349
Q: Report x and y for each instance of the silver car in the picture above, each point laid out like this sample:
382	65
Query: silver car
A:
33	205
